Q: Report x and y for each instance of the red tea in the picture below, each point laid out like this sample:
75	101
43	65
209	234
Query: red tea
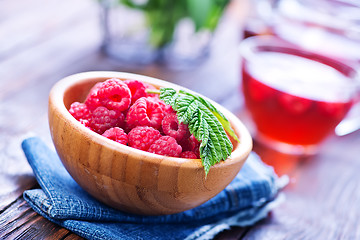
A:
295	99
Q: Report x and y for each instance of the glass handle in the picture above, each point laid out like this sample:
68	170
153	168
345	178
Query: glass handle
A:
351	123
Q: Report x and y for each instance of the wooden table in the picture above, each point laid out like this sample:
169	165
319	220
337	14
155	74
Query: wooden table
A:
44	41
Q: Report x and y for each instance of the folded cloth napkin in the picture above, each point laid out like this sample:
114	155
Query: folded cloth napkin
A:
246	200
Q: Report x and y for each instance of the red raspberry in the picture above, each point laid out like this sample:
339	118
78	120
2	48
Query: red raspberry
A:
195	145
191	144
171	127
86	123
116	134
144	112
92	100
166	146
137	89
79	111
112	94
142	137
160	102
168	109
149	86
188	154
103	119
94	89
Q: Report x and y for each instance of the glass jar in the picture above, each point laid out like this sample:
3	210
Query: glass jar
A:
138	36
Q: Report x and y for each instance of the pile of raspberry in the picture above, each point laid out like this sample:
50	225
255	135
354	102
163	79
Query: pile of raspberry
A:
124	112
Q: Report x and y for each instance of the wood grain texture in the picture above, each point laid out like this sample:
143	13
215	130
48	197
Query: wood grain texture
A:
130	179
19	221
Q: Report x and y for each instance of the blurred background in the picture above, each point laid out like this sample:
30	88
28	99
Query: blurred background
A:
39	37
191	43
171	41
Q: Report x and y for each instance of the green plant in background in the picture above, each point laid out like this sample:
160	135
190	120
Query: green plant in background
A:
162	16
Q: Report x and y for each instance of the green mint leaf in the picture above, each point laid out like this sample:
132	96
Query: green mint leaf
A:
223	120
205	122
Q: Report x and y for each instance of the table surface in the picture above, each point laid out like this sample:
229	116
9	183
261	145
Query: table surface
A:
44	41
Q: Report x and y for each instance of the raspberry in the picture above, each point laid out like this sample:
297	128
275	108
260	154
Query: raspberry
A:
160	102
188	154
195	144
94	89
86	123
144	112
191	144
92	100
137	89
166	146
113	94
103	119
116	134
149	86
142	137
171	127
79	111
168	109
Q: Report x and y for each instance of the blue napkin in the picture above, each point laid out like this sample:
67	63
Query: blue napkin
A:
246	200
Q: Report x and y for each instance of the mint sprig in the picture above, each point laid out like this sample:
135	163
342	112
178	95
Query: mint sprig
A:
205	122
163	17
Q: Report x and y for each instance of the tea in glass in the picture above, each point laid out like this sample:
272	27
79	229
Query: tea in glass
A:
295	98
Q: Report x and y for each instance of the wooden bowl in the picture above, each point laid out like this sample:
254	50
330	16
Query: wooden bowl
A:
129	179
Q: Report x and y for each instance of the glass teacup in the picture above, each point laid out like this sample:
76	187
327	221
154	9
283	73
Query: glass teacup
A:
295	98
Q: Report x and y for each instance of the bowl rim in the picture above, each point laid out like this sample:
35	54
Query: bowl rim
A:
56	97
